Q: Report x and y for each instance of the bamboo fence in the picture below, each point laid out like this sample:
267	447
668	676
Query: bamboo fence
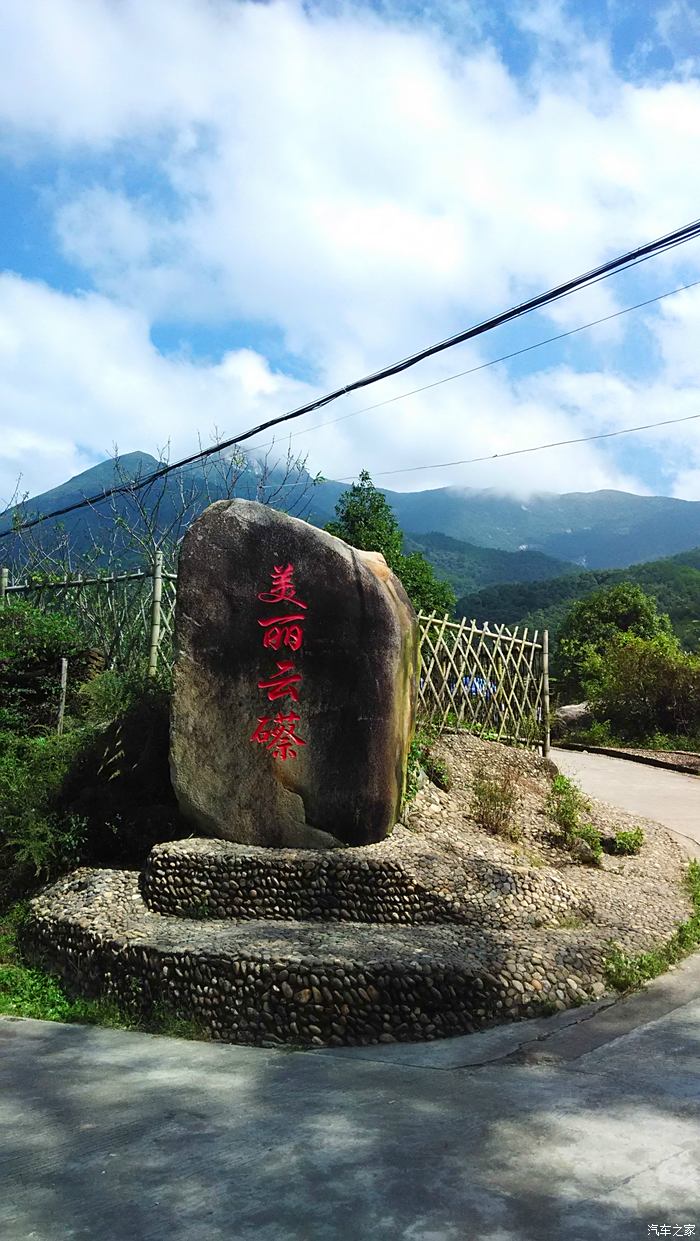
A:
490	680
487	679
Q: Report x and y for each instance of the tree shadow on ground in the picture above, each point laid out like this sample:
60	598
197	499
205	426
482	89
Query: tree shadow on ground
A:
113	1135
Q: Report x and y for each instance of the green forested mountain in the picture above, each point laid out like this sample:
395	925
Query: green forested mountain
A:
469	568
673	581
593	530
474	539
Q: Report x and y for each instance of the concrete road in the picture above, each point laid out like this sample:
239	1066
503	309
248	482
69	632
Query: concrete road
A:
583	1126
668	797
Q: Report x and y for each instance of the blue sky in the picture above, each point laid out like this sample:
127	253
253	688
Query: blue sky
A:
211	211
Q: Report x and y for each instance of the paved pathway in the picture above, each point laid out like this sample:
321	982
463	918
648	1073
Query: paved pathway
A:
668	797
582	1126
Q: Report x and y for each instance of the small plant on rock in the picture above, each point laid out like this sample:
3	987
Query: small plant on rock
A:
494	799
437	771
566	804
592	839
625	843
421	759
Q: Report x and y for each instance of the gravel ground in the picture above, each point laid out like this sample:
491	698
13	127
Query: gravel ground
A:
683	759
635	900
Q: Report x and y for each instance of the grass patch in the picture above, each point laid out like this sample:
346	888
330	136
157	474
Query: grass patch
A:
494	800
571	922
26	991
626	973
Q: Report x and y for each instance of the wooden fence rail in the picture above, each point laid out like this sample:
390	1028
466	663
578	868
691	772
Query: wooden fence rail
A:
490	680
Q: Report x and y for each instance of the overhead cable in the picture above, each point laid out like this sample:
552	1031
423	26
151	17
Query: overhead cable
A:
517	452
482	366
630	259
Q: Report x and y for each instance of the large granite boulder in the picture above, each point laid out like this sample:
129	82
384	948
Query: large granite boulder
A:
573	718
295	683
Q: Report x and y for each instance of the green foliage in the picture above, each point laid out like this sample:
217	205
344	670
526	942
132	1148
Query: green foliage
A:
590	836
565	804
593	624
426	592
97	794
418	759
674	582
642	686
365	520
625	972
627	843
437	771
690	743
120	782
494	799
113	693
34	831
29	992
32	643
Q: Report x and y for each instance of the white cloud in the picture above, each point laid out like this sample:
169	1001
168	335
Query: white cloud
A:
359	185
78	373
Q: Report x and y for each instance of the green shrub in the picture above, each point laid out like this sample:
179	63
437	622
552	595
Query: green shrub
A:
565	804
34	830
593	623
494	800
628	843
111	694
645	687
437	771
120	783
32	644
420	758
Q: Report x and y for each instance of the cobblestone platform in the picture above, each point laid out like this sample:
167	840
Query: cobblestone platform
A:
302	983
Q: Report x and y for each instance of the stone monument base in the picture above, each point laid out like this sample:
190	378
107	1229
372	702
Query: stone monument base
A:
269	947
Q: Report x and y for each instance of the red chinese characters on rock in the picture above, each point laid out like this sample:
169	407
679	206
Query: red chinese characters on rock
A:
278	734
285	628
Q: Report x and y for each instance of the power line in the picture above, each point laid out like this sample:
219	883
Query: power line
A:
482	366
630	259
517	452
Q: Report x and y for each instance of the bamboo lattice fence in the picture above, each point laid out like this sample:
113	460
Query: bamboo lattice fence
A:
125	616
490	680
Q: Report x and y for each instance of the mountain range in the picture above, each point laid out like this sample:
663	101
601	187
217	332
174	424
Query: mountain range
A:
594	530
674	582
508	560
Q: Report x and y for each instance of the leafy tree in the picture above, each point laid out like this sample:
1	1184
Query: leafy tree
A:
643	686
365	519
594	623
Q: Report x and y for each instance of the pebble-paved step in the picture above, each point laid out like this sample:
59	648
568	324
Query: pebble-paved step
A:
215	879
302	983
